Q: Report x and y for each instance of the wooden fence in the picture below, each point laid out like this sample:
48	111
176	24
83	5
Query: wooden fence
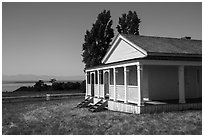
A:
41	97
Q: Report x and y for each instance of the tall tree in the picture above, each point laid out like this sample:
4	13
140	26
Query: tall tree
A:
97	40
129	23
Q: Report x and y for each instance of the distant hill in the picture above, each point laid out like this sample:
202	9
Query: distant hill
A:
40	77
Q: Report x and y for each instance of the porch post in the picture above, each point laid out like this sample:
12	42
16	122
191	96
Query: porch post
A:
181	84
125	83
86	75
98	84
103	84
139	84
100	76
94	82
90	78
114	83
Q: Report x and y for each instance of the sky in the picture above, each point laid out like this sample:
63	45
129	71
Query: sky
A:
47	38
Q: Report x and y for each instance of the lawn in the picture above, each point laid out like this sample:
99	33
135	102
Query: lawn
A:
60	117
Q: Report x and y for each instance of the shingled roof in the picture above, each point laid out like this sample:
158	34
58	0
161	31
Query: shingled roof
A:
164	45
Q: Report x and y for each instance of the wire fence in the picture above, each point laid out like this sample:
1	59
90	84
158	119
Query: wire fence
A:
46	97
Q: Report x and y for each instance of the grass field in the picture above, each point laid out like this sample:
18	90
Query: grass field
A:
60	117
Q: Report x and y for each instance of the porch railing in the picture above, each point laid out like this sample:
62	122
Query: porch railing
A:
120	92
132	94
101	86
111	91
89	89
96	90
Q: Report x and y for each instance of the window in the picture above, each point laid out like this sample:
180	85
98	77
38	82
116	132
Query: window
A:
132	76
120	76
111	77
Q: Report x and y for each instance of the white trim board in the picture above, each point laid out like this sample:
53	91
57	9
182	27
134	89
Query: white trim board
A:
123	49
171	62
149	62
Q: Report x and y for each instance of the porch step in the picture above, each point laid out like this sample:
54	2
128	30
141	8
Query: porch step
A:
85	103
100	105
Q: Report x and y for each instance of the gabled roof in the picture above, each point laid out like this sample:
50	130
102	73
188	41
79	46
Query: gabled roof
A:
166	45
158	46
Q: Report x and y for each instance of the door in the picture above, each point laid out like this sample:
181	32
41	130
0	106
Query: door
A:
92	84
106	84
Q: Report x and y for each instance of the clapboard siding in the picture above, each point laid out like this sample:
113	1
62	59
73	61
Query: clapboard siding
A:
122	107
124	51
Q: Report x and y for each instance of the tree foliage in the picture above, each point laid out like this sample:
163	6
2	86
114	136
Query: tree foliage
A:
97	40
40	86
53	80
56	86
129	23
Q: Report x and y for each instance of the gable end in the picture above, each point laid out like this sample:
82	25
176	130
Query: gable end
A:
123	49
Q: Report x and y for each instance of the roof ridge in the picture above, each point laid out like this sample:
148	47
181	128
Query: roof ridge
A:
160	37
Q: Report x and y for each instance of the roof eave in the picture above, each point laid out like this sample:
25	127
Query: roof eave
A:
173	54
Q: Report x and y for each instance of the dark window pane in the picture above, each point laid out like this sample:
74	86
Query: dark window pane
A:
120	76
96	77
111	76
132	75
101	77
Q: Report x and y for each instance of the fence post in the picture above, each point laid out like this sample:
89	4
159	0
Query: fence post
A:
47	97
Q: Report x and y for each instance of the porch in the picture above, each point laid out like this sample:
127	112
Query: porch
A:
118	83
141	87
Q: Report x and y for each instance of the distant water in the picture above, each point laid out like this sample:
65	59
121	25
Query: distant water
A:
11	86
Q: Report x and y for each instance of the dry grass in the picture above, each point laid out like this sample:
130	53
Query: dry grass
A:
60	117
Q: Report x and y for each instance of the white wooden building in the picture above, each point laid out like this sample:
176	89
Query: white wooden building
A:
141	69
